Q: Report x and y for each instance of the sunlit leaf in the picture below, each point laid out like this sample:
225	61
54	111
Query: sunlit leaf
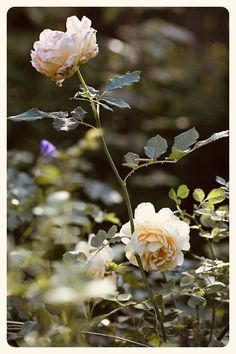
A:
65	124
111	217
31	115
172	194
182	191
132	159
221	181
176	154
117	102
92	92
124	297
123	81
155	147
217	195
184	140
214	287
198	194
105	106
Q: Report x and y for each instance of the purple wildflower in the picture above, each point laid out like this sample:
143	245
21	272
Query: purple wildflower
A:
48	148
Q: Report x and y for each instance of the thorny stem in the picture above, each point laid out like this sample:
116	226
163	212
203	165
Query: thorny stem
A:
125	193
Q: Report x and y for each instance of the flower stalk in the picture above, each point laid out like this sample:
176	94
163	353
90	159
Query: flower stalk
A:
122	183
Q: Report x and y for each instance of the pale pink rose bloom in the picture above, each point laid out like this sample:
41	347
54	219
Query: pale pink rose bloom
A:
59	54
159	238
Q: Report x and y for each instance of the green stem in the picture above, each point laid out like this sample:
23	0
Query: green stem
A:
125	193
116	338
212	322
172	296
149	290
197	326
223	332
211	249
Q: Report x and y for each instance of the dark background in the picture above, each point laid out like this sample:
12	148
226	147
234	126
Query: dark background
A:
183	56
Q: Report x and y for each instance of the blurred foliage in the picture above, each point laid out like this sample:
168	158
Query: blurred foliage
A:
183	56
54	203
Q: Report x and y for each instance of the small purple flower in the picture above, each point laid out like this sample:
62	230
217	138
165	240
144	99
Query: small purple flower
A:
48	148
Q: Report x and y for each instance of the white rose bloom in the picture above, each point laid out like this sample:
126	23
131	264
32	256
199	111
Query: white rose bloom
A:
58	54
96	261
158	239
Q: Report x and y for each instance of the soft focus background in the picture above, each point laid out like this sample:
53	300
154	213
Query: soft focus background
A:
183	56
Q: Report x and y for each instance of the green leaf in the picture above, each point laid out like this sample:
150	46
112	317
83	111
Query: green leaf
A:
217	192
184	140
105	106
65	124
123	80
216	196
132	159
73	257
92	92
196	300
155	147
213	137
187	280
182	191
124	297
221	181
30	115
96	320
171	315
168	286
216	286
118	102
111	217
78	113
97	240
198	195
115	239
176	154
112	231
172	194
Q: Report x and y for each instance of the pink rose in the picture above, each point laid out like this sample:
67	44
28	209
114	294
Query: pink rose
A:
58	54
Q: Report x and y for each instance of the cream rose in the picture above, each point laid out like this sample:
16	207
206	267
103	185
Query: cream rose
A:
158	239
58	54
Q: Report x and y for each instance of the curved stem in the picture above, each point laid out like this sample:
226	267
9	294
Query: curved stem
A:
96	112
146	165
116	338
